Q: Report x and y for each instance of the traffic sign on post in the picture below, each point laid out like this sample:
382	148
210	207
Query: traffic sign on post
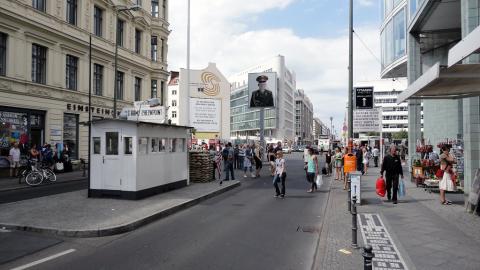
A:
363	98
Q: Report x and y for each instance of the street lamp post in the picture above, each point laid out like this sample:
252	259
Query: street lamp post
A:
115	83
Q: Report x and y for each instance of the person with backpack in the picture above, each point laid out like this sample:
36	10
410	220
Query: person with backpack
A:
227	154
247	163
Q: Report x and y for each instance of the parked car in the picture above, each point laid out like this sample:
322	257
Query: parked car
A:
287	149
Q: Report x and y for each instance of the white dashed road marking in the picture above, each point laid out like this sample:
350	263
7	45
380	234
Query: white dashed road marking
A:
54	256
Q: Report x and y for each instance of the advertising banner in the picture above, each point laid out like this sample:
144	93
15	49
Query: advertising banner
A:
262	89
205	114
368	120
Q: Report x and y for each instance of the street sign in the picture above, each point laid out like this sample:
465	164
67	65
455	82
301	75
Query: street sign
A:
363	98
368	120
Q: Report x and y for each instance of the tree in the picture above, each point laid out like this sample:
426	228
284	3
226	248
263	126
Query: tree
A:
402	134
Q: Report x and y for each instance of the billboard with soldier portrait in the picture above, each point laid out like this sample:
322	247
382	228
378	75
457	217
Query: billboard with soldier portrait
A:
262	89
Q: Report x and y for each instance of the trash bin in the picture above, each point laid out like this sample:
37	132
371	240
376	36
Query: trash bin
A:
355	179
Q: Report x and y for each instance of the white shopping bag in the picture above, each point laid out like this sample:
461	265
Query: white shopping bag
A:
319	180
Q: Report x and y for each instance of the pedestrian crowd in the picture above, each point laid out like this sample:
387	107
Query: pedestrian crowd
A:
56	158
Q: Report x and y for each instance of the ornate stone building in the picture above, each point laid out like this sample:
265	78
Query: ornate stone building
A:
44	65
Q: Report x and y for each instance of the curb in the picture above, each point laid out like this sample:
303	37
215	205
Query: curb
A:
26	186
120	228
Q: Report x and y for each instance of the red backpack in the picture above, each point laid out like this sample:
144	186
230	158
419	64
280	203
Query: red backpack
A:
380	187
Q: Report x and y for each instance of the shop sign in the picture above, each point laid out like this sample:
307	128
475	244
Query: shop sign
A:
145	114
369	120
84	108
205	114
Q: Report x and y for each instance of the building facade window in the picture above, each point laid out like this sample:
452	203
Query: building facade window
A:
154	48
138	89
98	21
71	72
162	52
39	64
138	41
174	114
393	39
3	54
162	92
174	92
154	89
174	103
120	84
164	9
139	2
72	12
39	5
70	133
155	8
120	25
98	79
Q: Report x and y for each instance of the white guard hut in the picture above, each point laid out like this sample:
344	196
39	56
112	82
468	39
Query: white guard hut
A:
133	160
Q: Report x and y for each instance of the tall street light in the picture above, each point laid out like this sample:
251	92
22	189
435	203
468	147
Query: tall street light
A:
118	9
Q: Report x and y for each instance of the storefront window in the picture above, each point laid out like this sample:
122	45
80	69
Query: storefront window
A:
70	134
25	127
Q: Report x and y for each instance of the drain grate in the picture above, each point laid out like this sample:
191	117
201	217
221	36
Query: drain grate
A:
308	229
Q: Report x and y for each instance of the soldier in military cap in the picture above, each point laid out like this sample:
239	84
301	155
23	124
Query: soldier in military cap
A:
262	97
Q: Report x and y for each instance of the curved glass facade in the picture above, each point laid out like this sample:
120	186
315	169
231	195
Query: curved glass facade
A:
387	6
413	6
393	39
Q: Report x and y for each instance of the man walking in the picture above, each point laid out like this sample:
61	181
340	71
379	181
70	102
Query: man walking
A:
227	154
392	166
241	157
375	153
235	157
14	155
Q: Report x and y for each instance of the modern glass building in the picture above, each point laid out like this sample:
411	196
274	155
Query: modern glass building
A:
279	121
393	38
443	45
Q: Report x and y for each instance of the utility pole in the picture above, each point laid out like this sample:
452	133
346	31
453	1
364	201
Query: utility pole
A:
350	74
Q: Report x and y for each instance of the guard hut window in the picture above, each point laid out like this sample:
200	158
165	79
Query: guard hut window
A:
96	145
174	145
143	145
154	145
111	143
161	145
128	145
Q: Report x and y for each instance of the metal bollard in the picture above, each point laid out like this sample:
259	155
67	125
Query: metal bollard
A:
367	258
354	222
349	193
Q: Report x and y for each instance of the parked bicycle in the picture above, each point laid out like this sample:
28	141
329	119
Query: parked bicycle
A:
34	174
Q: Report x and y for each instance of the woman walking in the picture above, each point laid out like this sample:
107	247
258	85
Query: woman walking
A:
280	175
338	164
312	170
366	159
448	180
247	162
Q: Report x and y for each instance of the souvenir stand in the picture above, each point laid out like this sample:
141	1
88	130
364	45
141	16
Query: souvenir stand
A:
423	167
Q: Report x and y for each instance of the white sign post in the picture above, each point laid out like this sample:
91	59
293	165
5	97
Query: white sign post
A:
367	120
205	114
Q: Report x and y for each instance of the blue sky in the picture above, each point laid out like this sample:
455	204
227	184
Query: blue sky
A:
311	34
317	18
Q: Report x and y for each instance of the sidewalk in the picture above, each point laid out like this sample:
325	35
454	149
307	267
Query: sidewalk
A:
11	183
417	233
72	214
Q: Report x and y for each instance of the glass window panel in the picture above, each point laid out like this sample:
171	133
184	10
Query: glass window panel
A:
174	145
128	145
111	141
143	145
96	145
3	54
154	145
162	143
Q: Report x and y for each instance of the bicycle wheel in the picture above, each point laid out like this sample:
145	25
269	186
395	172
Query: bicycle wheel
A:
34	178
22	174
50	175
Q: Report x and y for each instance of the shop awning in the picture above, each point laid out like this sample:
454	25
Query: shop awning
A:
440	82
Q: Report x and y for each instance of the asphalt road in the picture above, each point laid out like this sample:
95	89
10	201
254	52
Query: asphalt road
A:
246	228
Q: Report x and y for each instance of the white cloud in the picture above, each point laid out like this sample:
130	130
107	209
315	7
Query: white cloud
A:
366	2
219	34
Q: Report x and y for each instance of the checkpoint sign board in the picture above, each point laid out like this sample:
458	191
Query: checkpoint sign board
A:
363	98
368	120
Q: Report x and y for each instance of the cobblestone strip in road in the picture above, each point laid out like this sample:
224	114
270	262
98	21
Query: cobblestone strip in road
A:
375	233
